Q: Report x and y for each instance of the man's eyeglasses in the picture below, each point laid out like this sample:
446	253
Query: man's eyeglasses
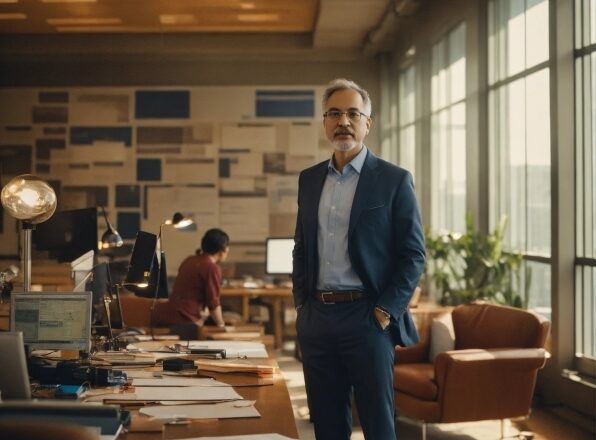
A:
353	115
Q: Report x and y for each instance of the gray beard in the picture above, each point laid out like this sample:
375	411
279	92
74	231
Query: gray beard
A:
344	145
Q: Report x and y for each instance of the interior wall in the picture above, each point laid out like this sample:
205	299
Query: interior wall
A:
223	95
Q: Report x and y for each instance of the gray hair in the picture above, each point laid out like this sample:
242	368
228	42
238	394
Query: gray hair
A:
343	84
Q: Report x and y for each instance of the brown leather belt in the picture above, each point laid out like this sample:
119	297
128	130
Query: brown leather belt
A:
338	296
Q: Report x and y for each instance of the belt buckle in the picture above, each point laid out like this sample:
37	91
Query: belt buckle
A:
324	300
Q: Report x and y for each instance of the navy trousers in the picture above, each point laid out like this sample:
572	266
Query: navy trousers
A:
345	351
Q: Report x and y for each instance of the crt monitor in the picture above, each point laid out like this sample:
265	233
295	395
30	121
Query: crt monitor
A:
279	256
67	234
52	320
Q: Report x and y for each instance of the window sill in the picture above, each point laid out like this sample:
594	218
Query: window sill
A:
580	378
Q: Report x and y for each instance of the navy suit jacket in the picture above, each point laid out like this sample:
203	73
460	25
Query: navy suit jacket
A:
385	239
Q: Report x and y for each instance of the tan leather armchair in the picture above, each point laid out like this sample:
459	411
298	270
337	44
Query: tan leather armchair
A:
136	310
490	375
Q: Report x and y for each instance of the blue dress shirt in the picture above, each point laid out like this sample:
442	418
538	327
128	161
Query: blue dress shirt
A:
335	269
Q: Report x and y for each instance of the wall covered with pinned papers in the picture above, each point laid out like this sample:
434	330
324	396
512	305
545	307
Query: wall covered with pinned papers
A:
227	156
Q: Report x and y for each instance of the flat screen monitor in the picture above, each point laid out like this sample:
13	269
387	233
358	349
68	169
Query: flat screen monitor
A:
53	320
279	256
67	234
146	267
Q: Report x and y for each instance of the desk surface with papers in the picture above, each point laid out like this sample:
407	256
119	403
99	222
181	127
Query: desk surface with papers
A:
257	402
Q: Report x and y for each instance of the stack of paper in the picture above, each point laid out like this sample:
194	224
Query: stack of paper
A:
236	367
171	394
238	336
169	381
235	349
124	358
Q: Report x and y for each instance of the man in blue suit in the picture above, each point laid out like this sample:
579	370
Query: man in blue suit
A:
358	254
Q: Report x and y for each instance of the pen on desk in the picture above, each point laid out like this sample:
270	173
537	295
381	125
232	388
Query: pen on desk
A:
183	420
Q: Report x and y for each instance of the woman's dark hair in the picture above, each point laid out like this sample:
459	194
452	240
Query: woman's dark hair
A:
214	241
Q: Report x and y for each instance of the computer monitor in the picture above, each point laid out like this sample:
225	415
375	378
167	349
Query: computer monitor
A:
279	256
67	234
53	320
147	268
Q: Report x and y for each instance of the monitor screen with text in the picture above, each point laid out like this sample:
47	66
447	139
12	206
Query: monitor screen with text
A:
59	321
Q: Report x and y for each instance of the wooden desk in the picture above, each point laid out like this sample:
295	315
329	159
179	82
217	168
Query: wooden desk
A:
276	296
272	402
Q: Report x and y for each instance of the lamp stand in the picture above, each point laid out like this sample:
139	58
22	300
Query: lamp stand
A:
27	227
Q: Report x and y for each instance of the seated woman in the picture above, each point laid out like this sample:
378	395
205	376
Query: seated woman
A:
197	286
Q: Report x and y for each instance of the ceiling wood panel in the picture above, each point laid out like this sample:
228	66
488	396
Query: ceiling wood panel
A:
149	16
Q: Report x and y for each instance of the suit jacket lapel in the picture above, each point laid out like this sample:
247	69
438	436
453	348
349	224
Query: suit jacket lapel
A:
366	183
315	187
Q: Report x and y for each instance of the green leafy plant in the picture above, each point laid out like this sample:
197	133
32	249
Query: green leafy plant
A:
473	266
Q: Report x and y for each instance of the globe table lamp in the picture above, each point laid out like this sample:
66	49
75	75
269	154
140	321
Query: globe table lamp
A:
31	200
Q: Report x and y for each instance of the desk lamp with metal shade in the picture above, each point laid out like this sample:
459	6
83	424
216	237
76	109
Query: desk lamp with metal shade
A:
147	275
110	238
31	200
147	268
179	222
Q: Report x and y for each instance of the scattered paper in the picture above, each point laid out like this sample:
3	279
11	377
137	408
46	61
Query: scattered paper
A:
225	410
236	367
186	393
174	394
244	437
235	349
177	382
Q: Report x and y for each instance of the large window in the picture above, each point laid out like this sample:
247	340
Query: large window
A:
585	154
448	132
407	119
519	138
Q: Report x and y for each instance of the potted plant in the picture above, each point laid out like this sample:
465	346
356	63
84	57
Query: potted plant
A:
473	266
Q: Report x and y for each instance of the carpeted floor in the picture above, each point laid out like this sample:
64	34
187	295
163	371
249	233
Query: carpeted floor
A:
542	424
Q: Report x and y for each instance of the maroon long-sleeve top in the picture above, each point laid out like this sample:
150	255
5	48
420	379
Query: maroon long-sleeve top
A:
197	286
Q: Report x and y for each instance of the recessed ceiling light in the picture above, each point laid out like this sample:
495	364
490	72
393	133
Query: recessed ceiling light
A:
82	21
247	5
105	29
257	18
68	1
177	19
13	16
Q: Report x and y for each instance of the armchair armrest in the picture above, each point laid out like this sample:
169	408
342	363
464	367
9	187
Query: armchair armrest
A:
487	384
414	354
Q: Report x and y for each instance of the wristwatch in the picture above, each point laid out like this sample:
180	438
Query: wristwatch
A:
384	312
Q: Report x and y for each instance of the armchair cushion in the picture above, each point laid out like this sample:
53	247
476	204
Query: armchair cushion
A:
490	326
417	380
442	336
483	384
